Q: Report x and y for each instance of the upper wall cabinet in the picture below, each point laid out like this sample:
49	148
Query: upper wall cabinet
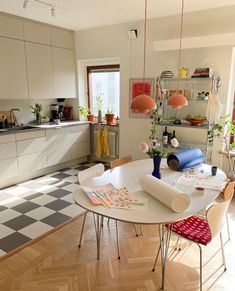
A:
64	73
13	78
11	27
62	38
38	33
40	73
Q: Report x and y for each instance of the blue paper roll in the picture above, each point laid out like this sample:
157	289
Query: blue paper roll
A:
185	159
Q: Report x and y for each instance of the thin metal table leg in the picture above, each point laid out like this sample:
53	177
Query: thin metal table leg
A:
83	224
97	222
164	245
118	249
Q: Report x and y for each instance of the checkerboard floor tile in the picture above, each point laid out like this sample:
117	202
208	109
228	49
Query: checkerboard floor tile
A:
33	208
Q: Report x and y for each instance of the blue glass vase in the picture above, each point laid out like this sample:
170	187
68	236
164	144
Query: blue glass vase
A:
156	166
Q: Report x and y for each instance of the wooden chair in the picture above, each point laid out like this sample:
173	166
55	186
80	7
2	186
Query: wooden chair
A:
202	230
120	161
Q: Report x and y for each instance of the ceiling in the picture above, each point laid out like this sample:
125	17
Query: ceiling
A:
83	14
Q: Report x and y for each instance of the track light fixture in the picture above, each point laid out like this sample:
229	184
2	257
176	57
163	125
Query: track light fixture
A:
52	6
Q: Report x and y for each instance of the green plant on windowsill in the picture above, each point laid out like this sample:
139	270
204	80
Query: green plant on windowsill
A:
85	112
224	130
37	111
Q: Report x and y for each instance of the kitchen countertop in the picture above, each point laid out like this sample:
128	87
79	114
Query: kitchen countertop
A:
33	127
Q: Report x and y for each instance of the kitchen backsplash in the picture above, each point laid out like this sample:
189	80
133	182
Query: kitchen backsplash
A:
25	114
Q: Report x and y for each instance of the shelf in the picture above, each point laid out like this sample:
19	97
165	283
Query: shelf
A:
187	125
188	79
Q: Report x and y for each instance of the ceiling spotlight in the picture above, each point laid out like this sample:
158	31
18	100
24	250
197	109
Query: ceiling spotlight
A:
53	11
25	5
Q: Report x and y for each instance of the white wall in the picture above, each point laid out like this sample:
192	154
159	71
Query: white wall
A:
112	41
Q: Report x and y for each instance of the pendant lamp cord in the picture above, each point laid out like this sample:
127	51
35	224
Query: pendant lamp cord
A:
145	38
180	48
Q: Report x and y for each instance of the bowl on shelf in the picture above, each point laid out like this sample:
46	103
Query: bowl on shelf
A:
196	121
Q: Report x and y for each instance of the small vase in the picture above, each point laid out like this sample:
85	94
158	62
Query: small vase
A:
156	166
99	116
38	118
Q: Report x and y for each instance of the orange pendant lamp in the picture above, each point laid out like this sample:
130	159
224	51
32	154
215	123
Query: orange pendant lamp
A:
178	100
143	103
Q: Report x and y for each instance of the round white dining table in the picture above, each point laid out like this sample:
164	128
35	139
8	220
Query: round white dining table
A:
128	176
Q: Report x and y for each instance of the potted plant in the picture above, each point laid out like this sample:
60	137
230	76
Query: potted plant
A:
85	112
109	117
224	131
37	111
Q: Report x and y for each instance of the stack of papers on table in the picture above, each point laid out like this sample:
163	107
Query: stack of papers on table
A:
111	197
206	182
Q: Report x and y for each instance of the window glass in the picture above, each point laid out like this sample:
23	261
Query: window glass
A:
104	89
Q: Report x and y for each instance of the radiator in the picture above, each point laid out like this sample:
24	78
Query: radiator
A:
113	143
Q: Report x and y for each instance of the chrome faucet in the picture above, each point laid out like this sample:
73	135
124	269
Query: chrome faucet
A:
12	123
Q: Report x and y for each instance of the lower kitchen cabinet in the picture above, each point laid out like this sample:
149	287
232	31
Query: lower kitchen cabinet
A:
79	138
26	153
58	146
9	169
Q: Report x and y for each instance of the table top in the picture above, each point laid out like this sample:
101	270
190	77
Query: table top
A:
127	175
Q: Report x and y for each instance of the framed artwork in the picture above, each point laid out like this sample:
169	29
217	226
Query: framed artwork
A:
136	88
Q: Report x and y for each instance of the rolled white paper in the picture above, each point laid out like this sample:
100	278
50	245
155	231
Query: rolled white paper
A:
91	172
167	194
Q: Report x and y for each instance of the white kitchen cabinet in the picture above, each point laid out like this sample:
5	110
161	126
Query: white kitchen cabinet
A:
31	151
39	69
9	169
6	138
11	27
58	146
7	150
36	32
79	138
62	38
64	73
32	162
13	77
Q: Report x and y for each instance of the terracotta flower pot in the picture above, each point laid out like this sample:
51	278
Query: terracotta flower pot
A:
109	118
91	117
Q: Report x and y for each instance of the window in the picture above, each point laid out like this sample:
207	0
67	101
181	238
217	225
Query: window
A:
104	84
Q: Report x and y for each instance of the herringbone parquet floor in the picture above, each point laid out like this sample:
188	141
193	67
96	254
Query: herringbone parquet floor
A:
56	264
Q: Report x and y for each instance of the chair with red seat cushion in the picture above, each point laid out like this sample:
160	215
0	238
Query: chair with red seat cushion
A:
202	230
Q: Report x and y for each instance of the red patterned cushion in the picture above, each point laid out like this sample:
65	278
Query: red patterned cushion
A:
193	228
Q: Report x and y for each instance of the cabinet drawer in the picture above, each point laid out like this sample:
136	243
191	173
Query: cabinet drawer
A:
7	150
7	138
32	162
30	134
9	169
79	150
29	146
11	27
79	135
37	33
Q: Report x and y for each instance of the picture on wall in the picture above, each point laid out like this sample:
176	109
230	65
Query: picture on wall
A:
138	87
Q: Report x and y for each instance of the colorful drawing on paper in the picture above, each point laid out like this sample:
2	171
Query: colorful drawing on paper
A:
138	87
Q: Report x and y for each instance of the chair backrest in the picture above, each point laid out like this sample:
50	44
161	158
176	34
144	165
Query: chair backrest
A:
120	161
216	214
89	173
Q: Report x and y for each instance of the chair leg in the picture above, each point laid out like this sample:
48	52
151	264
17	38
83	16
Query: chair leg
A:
200	249
117	240
136	232
228	226
222	251
83	224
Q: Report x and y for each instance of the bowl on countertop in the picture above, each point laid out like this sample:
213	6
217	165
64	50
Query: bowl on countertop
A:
194	122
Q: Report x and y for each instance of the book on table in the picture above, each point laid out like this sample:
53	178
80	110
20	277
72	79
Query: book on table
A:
112	197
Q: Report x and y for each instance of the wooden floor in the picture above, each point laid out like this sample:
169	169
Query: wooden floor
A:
56	264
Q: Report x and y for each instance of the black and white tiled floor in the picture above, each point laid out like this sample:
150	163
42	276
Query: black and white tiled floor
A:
31	209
